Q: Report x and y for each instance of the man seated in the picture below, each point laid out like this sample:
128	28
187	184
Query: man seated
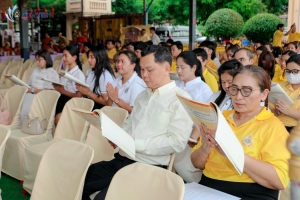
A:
7	49
52	48
245	56
17	49
158	123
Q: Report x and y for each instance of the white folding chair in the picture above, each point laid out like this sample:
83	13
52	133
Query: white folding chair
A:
70	126
21	60
141	181
43	107
4	134
62	171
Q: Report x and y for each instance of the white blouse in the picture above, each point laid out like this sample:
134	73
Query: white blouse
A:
226	104
70	86
196	88
48	73
103	80
129	90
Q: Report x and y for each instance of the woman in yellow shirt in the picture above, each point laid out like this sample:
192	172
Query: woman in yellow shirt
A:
284	57
262	136
289	115
267	62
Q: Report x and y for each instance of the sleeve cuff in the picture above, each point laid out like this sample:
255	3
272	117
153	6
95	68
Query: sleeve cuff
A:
139	144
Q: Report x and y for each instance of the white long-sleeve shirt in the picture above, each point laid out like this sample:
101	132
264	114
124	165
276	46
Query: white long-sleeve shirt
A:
159	124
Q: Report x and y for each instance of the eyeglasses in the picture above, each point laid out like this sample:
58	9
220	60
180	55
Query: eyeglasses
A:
293	71
39	60
246	92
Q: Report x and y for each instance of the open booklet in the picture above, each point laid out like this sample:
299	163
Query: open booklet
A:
16	80
209	117
72	78
277	93
109	129
48	80
195	191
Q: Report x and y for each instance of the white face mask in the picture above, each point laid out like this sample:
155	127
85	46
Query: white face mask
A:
293	78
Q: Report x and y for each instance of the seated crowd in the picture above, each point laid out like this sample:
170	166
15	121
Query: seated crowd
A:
136	77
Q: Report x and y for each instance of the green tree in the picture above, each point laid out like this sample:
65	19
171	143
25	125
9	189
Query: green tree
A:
224	23
261	27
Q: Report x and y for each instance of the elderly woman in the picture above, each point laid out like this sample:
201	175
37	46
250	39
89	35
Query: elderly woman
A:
262	137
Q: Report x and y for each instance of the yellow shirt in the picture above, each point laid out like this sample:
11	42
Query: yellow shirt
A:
278	75
144	38
263	138
111	53
212	65
238	42
84	58
173	67
294	37
277	38
294	94
210	81
255	59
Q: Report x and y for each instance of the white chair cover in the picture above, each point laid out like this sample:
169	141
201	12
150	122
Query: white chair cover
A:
62	171
4	134
43	106
70	126
8	83
141	181
13	101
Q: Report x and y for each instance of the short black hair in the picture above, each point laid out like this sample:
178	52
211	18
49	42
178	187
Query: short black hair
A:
262	48
280	26
140	46
161	54
178	44
112	41
289	52
260	42
149	42
211	45
152	28
170	41
232	48
87	44
201	52
118	41
270	45
43	53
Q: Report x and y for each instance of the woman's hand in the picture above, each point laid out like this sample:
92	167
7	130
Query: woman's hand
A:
57	87
283	108
29	90
112	92
82	89
212	143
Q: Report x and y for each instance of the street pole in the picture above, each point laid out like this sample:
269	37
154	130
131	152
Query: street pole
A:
23	23
192	24
39	27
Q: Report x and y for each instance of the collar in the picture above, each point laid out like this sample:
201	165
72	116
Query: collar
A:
263	115
289	86
161	90
192	82
112	50
133	76
73	70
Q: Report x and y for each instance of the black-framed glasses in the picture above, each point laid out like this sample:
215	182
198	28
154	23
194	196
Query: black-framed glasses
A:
246	92
293	71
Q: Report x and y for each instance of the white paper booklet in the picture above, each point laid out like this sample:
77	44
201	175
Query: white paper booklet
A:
210	118
109	129
277	93
72	78
48	80
195	191
117	135
16	80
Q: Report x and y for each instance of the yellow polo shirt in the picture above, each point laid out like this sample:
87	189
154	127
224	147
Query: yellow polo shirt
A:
210	81
294	37
111	53
278	75
212	65
173	67
255	59
295	96
277	38
84	58
263	138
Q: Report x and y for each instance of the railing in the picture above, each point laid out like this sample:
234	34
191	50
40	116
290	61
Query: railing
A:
98	6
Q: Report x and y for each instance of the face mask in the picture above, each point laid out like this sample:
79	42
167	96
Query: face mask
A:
293	78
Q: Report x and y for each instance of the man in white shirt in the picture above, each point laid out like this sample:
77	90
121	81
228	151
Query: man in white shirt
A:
158	123
154	38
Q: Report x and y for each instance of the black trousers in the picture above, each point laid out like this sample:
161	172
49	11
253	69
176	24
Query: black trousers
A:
99	176
245	191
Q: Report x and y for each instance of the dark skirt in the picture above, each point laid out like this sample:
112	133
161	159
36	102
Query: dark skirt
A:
245	191
62	100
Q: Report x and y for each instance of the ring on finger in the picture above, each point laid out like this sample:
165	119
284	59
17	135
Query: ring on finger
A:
216	144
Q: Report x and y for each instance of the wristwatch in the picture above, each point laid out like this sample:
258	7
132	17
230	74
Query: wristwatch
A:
117	101
32	90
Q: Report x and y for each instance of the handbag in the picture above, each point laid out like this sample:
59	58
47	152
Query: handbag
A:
34	126
5	118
